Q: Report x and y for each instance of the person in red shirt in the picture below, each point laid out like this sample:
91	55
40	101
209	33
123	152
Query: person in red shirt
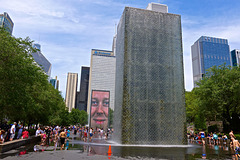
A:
25	134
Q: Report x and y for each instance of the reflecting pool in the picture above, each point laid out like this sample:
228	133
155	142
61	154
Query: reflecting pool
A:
101	147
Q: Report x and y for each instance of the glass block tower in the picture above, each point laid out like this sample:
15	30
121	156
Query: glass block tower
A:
208	52
149	102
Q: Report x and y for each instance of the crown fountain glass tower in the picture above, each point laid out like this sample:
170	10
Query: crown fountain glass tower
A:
149	102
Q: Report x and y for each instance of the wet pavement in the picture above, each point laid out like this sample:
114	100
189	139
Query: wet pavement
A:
99	148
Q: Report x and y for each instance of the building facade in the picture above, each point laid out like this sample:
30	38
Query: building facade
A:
82	96
6	22
149	94
208	52
71	91
235	57
55	83
41	60
102	74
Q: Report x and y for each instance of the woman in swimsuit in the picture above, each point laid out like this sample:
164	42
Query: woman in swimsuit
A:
62	138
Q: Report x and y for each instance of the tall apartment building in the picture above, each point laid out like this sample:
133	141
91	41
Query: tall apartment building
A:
102	74
208	52
82	96
71	91
6	22
235	55
42	60
149	97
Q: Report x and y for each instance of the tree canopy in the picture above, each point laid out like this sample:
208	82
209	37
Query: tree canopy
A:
26	94
216	97
78	117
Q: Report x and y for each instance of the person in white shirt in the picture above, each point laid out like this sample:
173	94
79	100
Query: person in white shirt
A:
12	131
38	132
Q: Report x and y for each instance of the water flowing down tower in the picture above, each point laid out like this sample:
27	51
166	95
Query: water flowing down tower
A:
149	102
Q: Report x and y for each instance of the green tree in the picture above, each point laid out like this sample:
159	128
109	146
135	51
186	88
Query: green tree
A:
191	106
26	94
193	111
83	118
17	74
77	116
218	96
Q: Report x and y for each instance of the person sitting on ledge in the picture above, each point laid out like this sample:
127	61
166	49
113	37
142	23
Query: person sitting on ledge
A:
38	132
25	134
1	136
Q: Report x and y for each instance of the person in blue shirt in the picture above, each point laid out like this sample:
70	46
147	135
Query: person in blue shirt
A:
215	138
68	133
202	134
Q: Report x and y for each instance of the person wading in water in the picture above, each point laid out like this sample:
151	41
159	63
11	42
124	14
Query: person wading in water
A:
62	138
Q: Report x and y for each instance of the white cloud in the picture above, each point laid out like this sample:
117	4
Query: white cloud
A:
68	30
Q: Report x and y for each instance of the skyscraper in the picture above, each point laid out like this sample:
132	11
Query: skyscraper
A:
82	96
6	22
235	55
42	60
71	90
55	83
102	74
208	52
149	103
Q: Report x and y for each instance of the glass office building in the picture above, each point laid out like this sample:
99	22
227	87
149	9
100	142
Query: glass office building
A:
208	52
235	55
6	22
42	60
55	82
82	96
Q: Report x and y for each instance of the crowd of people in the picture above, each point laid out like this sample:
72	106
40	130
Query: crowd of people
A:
51	134
56	135
88	133
216	139
8	133
59	136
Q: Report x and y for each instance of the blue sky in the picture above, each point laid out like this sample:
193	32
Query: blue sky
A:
67	30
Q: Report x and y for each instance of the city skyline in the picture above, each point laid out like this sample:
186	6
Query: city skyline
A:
68	31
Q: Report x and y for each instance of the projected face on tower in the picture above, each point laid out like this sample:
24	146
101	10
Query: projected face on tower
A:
99	109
